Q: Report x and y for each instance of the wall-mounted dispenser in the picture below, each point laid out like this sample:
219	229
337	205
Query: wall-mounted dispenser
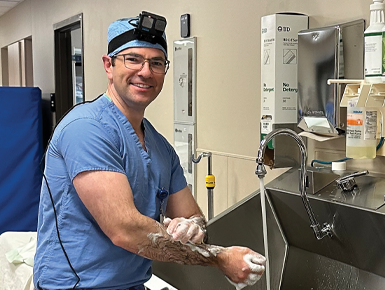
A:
184	77
279	58
334	52
364	102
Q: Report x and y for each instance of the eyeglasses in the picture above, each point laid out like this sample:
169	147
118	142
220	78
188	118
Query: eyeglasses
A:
136	62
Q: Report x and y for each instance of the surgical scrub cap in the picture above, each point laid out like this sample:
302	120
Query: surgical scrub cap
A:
123	25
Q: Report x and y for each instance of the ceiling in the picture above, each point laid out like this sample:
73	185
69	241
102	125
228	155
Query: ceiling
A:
6	5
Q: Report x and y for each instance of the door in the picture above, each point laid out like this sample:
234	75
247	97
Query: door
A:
69	68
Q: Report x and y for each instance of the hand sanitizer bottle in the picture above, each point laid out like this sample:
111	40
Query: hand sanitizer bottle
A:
373	43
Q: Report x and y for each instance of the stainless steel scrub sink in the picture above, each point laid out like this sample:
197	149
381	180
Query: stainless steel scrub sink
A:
355	250
353	258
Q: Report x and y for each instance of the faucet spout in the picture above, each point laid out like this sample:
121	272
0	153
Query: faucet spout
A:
260	171
319	231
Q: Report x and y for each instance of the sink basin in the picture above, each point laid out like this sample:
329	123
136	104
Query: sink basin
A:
352	259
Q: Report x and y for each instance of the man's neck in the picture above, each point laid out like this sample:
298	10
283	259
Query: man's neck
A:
135	117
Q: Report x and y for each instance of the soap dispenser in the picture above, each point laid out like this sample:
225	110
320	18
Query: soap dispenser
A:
373	43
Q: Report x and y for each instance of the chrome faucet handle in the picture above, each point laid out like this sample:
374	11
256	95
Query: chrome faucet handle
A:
348	183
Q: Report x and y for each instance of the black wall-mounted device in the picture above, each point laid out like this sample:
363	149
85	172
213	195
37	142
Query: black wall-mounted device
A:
53	102
185	25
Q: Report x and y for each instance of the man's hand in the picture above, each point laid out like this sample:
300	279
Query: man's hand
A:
242	266
185	230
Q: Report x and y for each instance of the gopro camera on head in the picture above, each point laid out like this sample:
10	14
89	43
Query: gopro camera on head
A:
150	27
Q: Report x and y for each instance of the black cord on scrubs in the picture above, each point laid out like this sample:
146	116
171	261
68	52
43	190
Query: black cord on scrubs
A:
58	234
51	197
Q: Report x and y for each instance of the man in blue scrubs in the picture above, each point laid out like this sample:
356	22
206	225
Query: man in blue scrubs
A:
110	176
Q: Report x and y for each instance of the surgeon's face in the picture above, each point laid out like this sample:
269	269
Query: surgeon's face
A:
137	85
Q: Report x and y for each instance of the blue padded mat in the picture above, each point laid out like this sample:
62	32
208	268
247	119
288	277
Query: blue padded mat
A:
20	155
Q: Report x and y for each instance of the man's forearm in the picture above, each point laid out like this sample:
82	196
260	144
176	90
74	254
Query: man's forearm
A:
239	264
161	247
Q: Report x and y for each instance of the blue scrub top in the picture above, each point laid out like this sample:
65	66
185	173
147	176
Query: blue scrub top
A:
97	136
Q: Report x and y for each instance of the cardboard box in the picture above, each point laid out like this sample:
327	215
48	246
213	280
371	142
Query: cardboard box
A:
279	52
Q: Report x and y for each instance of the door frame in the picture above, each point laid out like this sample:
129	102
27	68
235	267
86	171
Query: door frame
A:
63	63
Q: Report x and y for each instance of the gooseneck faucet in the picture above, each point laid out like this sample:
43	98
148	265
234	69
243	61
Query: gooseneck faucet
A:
319	231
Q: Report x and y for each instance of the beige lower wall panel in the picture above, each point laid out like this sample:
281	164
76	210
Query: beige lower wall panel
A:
235	179
243	181
219	170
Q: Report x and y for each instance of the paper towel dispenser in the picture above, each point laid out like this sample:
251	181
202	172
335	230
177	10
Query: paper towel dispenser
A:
331	52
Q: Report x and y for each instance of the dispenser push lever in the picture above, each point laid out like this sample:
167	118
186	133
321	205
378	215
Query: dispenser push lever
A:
348	183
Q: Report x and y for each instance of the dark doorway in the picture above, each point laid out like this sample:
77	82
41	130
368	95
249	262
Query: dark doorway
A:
69	68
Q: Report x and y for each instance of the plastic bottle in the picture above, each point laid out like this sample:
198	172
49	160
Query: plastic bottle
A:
361	141
373	43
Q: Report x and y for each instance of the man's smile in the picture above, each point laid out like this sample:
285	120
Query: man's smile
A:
142	86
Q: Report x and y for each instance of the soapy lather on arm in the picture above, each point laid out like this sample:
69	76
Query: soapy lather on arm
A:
185	230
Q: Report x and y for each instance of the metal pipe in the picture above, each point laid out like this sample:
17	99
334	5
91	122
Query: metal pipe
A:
210	182
210	191
210	203
319	231
209	163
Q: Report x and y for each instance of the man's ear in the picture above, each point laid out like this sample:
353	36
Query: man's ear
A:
107	64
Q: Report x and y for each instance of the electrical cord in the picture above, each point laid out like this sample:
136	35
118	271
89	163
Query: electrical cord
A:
58	233
380	143
326	162
51	197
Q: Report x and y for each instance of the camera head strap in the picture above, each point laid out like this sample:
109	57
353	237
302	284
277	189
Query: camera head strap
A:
148	27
